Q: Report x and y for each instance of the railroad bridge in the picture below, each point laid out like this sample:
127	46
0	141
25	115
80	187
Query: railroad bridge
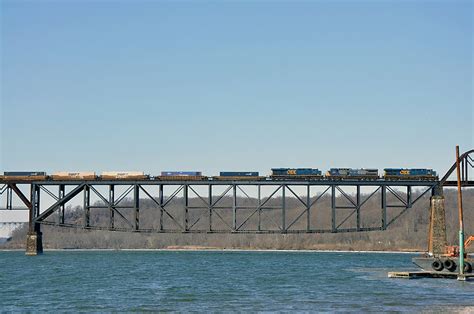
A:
227	206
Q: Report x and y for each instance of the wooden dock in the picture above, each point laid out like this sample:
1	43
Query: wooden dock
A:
428	274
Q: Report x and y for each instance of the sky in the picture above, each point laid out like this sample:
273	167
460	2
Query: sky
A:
235	85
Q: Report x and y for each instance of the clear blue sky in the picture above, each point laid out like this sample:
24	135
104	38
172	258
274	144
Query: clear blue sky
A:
210	86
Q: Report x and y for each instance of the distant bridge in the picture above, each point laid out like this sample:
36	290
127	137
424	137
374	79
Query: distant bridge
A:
224	206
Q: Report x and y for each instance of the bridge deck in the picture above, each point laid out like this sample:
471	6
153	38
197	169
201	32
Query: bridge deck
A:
379	182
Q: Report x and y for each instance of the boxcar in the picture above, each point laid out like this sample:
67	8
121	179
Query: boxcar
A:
295	173
87	175
24	175
410	174
181	175
350	173
123	175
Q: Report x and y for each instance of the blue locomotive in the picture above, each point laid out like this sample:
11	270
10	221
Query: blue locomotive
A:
293	173
351	173
410	174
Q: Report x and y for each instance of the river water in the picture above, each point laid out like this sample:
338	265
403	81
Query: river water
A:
221	281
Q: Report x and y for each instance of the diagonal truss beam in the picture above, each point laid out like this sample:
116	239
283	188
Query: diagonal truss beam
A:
111	205
49	193
360	206
61	202
258	208
407	208
346	196
20	194
162	206
311	204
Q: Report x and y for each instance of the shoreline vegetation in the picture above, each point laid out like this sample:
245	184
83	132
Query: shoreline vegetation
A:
409	233
193	248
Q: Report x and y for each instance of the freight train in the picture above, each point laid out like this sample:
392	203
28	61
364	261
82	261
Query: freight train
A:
276	174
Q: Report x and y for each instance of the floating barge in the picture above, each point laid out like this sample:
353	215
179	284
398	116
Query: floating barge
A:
428	274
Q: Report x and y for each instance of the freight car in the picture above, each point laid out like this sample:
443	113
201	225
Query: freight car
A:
123	175
409	174
181	175
295	173
24	175
238	175
350	173
88	175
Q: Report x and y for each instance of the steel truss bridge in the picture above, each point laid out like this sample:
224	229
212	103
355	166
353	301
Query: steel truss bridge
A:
217	206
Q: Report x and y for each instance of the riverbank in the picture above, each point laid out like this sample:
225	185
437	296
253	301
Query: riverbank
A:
213	249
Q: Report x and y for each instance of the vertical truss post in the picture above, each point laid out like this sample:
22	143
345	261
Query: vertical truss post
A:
409	196
161	206
36	205
186	209
283	209
308	208
210	207
234	207
358	207
61	207
384	207
34	210
259	204
9	198
111	205
31	216
87	208
136	198
333	208
466	166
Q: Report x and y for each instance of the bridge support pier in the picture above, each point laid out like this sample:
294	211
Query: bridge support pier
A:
437	233
34	243
34	238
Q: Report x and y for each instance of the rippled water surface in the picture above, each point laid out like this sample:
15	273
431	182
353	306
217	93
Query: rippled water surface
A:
221	281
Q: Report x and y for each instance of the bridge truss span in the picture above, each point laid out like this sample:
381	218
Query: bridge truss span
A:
224	206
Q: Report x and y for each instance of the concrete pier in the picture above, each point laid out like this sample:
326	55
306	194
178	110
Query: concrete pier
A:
437	240
34	243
